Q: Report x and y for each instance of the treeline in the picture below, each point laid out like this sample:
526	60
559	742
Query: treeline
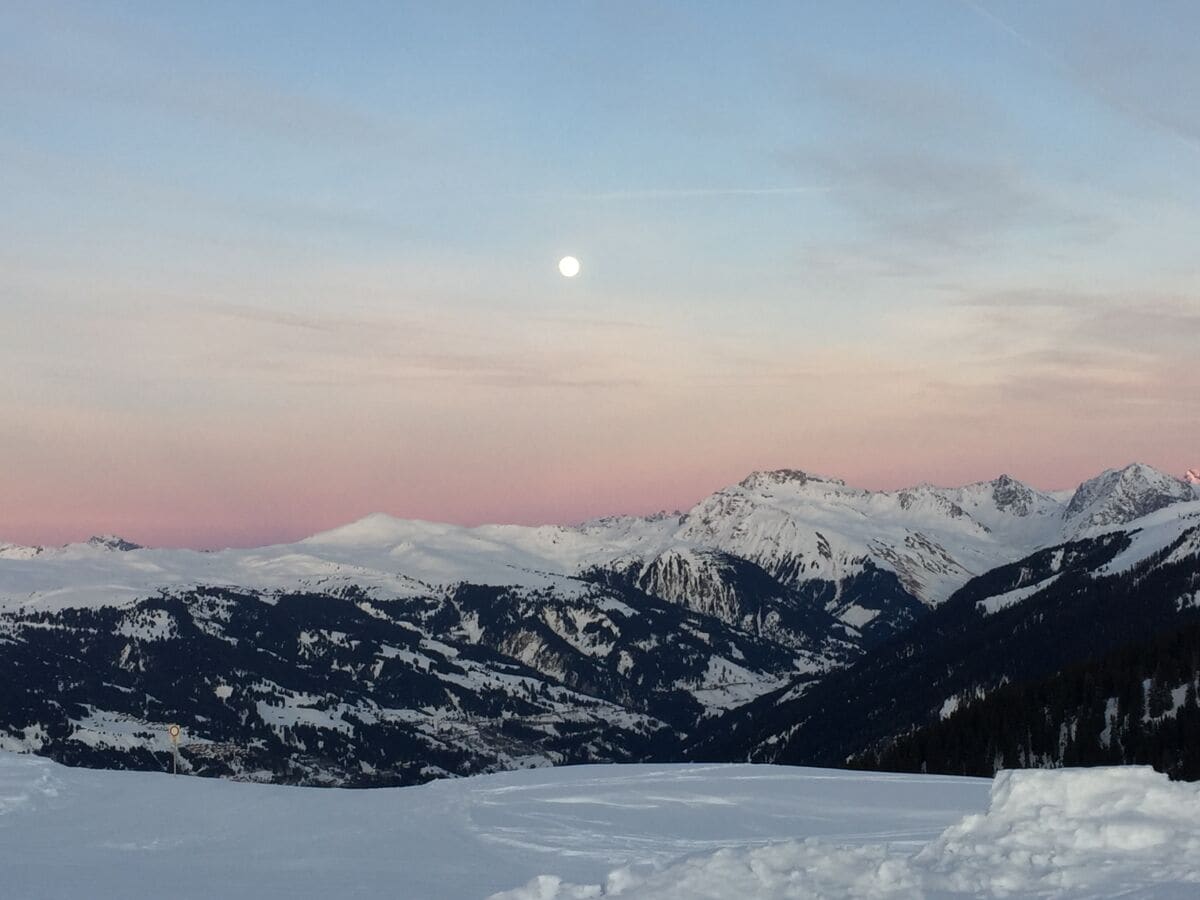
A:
1135	705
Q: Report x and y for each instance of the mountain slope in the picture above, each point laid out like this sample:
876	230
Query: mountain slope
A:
392	651
1019	622
344	687
1133	706
795	527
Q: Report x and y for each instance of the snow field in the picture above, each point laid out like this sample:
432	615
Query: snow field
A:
702	832
1105	832
71	833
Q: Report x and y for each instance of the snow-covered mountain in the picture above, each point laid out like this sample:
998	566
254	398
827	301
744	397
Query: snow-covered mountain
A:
1122	589
1117	496
794	526
424	648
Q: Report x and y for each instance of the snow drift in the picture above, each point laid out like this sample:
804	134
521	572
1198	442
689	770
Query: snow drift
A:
1102	832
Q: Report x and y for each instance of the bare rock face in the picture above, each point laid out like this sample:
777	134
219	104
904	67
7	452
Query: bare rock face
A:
1010	495
112	542
1118	496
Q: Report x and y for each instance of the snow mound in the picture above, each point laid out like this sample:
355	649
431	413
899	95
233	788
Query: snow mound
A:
1101	832
1092	832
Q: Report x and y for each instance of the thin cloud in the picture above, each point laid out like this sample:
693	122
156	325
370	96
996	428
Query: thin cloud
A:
899	103
926	197
1118	315
85	54
288	319
691	193
1027	297
1087	351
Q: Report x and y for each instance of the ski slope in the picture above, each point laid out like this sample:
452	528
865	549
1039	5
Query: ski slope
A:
732	831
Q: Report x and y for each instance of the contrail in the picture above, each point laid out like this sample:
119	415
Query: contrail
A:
1082	80
986	13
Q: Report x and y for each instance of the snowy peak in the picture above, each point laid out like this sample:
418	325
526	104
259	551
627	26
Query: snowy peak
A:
1192	476
378	529
1117	496
926	498
793	478
1012	511
17	551
104	542
112	542
1012	496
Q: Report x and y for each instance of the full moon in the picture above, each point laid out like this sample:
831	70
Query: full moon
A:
568	266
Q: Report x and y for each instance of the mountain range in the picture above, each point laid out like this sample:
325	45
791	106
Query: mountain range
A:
789	617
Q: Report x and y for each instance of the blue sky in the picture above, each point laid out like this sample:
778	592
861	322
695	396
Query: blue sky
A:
233	234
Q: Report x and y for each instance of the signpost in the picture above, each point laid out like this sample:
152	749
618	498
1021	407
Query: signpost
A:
173	731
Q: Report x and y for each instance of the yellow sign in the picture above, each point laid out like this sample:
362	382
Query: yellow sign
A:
174	732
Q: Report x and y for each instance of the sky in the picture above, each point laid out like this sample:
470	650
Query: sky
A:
266	268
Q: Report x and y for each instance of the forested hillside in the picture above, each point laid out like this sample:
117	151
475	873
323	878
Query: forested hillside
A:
1137	705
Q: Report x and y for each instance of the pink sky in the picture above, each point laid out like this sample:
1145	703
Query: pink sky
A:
215	442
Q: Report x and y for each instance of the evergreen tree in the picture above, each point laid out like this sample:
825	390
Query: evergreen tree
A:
1160	697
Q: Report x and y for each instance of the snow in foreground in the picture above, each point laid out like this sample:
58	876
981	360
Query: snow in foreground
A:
1105	832
734	831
